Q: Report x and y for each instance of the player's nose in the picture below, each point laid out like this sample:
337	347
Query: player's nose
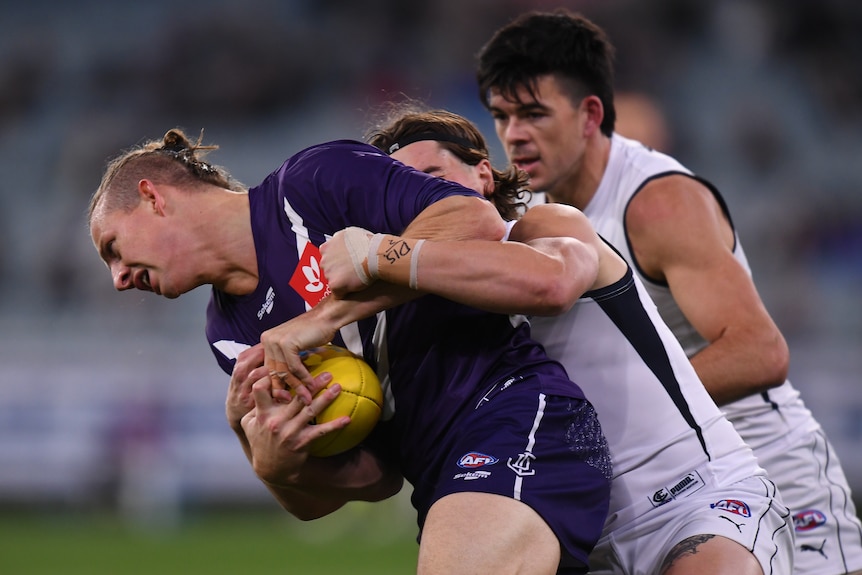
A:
122	277
514	132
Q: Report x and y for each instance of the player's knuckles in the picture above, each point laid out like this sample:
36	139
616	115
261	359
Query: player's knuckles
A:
252	354
247	421
261	389
273	426
249	359
320	382
256	374
310	412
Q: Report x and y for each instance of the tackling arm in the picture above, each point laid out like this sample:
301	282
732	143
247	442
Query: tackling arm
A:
556	257
453	217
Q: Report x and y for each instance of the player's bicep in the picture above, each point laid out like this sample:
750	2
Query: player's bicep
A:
678	235
715	297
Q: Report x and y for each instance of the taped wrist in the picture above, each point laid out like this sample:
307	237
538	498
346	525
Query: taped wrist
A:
395	259
357	241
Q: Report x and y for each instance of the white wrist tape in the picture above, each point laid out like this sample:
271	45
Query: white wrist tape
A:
414	265
371	254
357	241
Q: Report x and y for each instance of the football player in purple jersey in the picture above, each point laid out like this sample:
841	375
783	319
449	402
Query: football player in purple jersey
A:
508	463
683	479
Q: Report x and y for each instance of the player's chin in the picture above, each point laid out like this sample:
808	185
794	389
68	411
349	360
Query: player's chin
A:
169	293
538	180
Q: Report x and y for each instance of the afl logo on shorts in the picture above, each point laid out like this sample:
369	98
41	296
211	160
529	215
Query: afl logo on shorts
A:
474	459
733	506
808	520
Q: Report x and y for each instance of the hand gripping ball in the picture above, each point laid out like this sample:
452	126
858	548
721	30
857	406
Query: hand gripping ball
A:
361	398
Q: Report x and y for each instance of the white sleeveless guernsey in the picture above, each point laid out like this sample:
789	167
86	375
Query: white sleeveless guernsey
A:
666	436
782	432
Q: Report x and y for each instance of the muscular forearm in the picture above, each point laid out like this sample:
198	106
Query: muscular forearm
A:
732	368
326	484
543	278
339	312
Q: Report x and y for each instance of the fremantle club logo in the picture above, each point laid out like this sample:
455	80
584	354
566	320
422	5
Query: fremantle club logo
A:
308	279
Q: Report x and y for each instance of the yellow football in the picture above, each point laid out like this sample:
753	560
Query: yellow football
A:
361	397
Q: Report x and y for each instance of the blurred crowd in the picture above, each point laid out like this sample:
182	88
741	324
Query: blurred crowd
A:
764	98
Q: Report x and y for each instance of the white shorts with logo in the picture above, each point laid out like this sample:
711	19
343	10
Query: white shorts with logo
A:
812	483
748	512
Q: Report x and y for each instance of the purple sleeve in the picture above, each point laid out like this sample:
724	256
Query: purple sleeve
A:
348	183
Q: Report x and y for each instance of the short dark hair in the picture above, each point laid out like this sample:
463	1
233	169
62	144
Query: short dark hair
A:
560	43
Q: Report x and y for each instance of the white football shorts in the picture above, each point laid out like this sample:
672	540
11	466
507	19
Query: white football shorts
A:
812	483
749	512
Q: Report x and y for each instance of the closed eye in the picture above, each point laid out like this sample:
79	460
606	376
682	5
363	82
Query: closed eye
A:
109	252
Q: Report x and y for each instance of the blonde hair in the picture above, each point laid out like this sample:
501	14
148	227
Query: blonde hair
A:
173	160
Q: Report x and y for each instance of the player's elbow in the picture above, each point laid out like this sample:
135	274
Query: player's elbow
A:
573	271
486	223
309	508
390	485
304	515
772	361
580	268
554	297
776	362
491	228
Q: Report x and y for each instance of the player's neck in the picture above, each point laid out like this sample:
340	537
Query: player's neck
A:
236	259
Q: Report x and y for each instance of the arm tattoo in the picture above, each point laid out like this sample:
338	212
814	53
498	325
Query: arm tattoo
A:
687	547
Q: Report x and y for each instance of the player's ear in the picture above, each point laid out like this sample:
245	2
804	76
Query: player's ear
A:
151	196
594	110
486	177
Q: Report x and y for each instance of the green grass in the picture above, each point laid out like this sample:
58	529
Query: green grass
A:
360	539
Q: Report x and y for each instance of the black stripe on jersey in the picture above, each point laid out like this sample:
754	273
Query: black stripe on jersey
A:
765	396
621	302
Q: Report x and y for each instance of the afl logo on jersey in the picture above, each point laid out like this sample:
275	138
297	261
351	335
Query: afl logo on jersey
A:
808	520
733	506
474	459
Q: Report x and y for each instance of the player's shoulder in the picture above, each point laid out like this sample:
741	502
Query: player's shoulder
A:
633	165
554	216
671	195
330	158
341	148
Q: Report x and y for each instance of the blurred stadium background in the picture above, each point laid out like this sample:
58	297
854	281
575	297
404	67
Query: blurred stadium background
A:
111	403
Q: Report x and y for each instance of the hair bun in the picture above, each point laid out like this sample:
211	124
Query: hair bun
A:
175	141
